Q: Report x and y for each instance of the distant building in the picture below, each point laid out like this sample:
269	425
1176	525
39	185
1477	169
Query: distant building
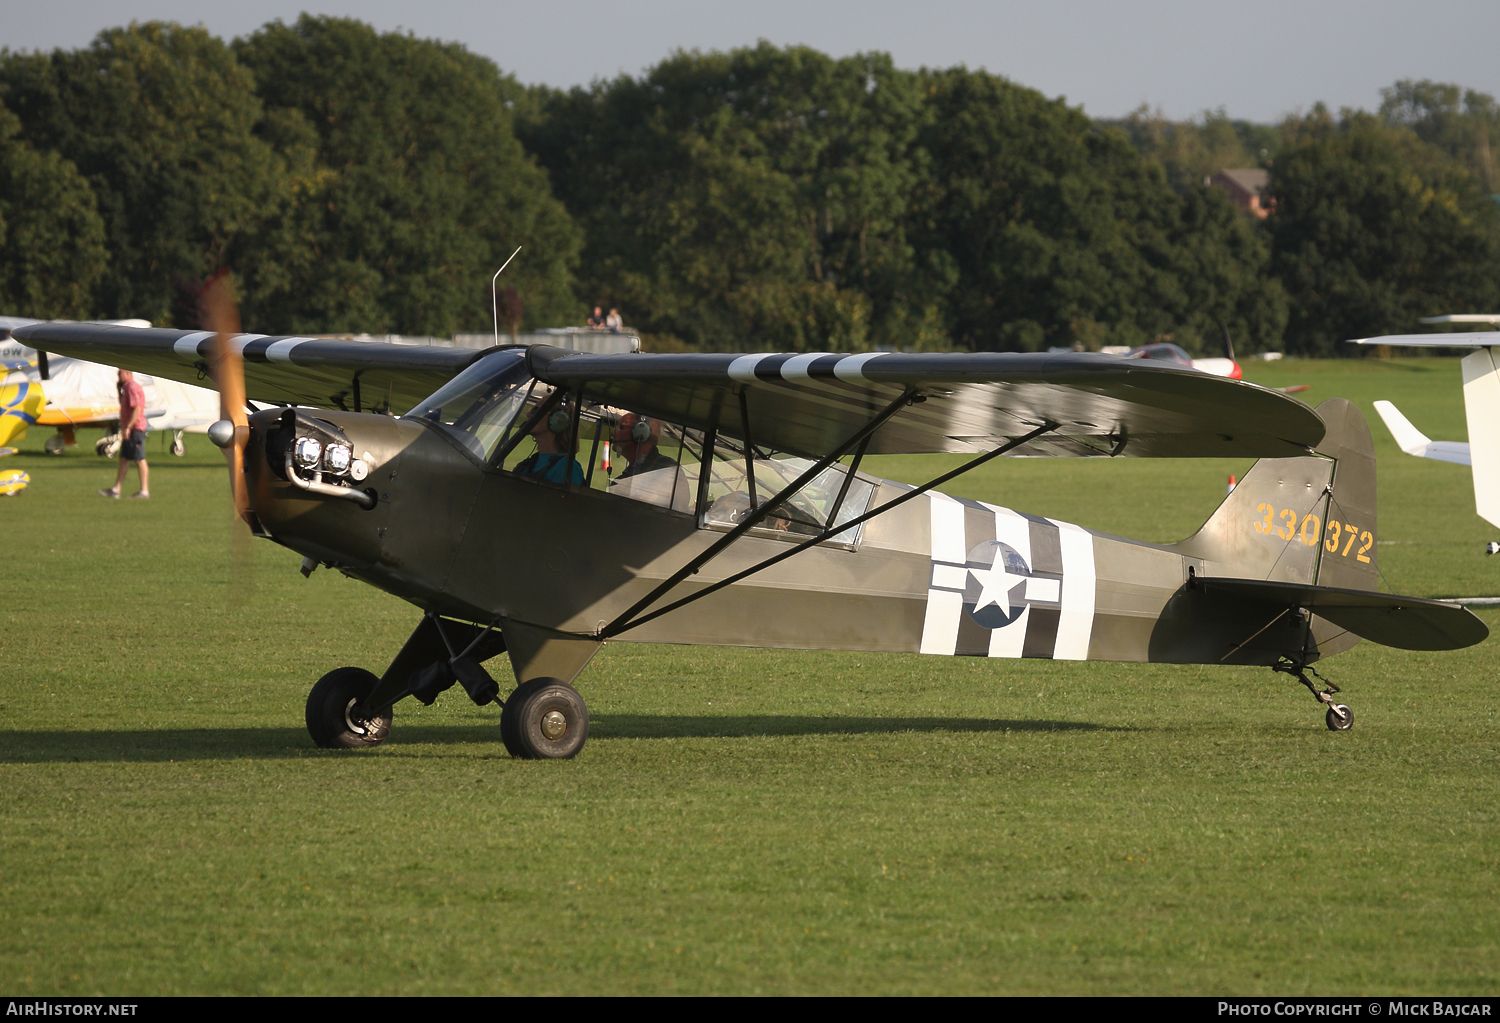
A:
1244	186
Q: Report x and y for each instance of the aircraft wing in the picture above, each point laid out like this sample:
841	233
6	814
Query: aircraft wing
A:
973	402
1481	339
1407	623
362	376
1414	442
802	404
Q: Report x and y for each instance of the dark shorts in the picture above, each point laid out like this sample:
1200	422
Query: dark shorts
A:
133	447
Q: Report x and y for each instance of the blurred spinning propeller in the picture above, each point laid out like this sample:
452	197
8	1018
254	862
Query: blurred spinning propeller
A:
220	313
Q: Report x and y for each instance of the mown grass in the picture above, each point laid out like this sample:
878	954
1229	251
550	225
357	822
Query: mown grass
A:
741	821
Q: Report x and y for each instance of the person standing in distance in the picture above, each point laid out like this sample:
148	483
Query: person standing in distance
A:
132	435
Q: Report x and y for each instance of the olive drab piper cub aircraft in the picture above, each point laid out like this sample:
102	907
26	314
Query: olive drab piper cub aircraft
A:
734	510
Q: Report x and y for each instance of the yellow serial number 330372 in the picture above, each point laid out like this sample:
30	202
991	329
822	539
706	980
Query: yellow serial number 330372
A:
1338	535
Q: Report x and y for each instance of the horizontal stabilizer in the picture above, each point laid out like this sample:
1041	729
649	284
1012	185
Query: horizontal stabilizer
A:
1414	442
1407	623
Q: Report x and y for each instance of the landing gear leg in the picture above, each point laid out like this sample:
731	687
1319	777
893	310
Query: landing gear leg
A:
1339	717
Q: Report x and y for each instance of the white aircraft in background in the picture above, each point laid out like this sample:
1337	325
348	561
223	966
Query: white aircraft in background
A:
1167	352
83	394
1481	373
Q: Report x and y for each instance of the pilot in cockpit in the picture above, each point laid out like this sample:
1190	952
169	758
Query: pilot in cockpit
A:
636	438
555	448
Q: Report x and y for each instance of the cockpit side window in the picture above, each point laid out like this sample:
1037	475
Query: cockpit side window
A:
733	488
480	405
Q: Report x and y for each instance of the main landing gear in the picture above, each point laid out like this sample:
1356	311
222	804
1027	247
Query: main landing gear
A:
350	708
1339	717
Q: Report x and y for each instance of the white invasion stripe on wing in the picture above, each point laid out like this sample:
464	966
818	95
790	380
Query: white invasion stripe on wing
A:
743	368
851	369
1075	626
795	368
281	351
187	345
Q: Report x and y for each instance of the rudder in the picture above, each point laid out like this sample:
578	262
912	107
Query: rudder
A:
1309	519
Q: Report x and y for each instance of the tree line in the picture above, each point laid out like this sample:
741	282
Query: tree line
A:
765	198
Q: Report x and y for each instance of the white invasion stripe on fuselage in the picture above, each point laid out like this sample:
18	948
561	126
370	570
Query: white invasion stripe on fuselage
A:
1015	530
1075	626
940	626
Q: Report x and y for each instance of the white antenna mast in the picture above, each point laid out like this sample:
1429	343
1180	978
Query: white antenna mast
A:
494	298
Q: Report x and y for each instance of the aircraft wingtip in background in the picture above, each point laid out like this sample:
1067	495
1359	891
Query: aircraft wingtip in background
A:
1481	388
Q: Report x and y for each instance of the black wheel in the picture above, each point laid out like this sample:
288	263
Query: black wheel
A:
544	719
1340	718
331	720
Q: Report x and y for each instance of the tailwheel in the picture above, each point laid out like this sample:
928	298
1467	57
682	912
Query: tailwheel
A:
1339	717
544	719
333	717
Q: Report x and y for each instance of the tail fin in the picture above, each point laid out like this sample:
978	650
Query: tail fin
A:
1307	520
1482	408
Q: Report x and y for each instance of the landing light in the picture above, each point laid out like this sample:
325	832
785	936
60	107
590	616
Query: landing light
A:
308	451
336	458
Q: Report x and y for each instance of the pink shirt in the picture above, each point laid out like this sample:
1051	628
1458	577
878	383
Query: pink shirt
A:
132	407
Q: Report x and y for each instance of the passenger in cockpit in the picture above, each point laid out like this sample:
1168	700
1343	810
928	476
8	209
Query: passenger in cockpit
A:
555	448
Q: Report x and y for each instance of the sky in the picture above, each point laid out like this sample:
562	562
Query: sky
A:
1257	61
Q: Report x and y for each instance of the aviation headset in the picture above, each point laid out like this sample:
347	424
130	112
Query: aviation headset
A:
640	432
559	421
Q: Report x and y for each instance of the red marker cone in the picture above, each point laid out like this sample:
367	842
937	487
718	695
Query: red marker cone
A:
604	456
1229	489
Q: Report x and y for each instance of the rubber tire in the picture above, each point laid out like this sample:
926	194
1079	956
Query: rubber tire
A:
1337	723
521	720
327	705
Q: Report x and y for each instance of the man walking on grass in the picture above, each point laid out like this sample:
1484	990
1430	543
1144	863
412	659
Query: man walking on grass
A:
132	435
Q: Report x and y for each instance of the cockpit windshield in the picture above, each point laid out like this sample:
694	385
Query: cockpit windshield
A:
480	404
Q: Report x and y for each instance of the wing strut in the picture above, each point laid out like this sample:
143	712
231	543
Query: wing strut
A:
757	515
623	622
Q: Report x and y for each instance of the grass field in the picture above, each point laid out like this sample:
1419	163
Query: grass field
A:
741	821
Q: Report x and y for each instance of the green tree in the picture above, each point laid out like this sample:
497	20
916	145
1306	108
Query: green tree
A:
408	187
159	119
1460	122
752	199
51	236
1048	231
1373	229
